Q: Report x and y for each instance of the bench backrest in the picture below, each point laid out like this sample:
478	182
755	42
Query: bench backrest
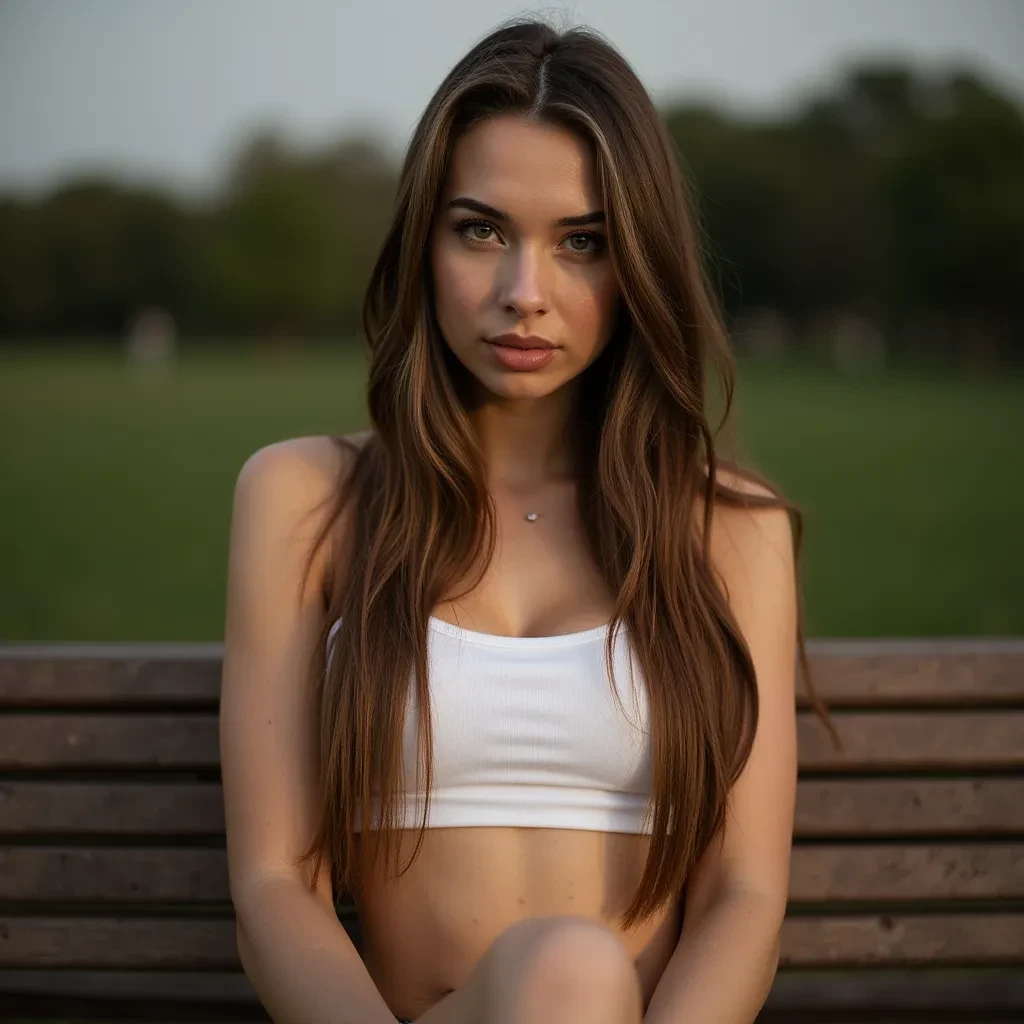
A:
909	845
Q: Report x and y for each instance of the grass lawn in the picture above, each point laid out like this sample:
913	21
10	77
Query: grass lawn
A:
116	484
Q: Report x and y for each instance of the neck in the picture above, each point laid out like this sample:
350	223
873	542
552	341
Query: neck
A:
526	443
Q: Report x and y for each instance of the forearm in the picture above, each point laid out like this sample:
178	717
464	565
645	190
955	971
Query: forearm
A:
723	967
301	961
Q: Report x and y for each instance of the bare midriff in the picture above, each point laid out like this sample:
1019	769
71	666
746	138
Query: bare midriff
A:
424	932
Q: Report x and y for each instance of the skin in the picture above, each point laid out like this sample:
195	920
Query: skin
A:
500	924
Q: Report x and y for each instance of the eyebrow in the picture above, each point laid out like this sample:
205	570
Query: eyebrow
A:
594	217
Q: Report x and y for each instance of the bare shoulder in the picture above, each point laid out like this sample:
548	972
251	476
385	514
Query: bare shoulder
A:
313	461
751	547
299	472
286	488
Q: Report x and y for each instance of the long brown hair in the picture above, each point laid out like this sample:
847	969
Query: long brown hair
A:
422	514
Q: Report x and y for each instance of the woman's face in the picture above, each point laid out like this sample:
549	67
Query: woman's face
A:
506	261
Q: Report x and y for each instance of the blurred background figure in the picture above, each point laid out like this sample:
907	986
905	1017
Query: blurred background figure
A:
205	186
152	336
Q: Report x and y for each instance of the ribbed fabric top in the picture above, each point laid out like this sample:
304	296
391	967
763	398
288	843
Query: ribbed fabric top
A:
528	732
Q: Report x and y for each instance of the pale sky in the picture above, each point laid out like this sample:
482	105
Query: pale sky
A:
162	90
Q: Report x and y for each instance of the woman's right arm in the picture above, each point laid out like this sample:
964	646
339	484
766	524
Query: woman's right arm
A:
297	956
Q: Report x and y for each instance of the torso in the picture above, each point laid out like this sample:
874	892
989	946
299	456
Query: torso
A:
424	932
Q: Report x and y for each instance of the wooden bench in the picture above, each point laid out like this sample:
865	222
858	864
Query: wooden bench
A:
908	867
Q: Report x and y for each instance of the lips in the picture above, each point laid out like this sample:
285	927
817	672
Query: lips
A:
521	341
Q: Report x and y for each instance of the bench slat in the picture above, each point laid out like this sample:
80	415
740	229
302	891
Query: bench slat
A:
894	741
825	808
46	675
902	673
936	939
879	872
99	942
880	741
995	939
96	874
873	872
111	808
970	993
841	808
852	673
46	740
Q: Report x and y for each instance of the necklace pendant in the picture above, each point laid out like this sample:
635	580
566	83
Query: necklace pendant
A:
530	516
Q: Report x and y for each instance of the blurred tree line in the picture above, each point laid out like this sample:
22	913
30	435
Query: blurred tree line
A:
885	216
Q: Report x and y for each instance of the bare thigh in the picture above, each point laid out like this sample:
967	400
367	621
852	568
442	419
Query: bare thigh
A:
546	964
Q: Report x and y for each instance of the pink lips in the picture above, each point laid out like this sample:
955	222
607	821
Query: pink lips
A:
522	352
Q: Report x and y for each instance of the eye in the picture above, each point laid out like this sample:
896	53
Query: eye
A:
584	237
480	232
467	229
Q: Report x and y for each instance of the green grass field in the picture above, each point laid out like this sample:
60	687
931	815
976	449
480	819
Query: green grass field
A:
116	484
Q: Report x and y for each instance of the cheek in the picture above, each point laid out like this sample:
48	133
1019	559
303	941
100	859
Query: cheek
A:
590	304
459	286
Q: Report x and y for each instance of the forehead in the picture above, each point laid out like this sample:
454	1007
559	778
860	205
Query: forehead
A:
530	170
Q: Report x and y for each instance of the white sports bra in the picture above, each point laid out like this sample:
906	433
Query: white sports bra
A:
527	732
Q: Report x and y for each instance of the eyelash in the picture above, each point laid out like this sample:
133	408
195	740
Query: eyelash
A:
462	225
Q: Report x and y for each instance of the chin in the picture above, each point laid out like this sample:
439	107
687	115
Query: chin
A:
518	385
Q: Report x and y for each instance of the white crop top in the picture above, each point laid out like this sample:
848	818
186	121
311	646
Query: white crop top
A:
527	732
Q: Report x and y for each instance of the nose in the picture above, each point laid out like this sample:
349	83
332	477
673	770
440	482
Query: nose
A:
523	282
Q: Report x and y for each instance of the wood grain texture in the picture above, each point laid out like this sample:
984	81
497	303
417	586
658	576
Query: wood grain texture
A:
111	808
190	875
916	673
825	808
104	874
897	940
881	741
102	942
108	741
880	872
926	939
895	741
840	808
51	675
851	673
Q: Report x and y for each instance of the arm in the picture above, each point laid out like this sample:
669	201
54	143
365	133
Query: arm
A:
293	949
728	951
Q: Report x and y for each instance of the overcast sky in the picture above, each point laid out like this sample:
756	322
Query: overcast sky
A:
164	89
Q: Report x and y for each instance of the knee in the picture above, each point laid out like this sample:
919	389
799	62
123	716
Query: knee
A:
566	961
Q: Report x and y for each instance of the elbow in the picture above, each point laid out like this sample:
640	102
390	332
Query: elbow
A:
245	939
242	945
251	903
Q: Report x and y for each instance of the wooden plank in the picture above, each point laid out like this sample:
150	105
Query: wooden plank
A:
54	740
901	673
873	872
229	986
146	995
94	874
124	942
889	871
883	741
852	673
840	808
825	808
49	675
899	940
974	992
899	741
904	939
111	808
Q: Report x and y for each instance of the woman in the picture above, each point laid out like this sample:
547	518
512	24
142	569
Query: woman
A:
425	621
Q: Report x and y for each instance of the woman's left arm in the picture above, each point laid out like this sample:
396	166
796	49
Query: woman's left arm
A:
728	950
